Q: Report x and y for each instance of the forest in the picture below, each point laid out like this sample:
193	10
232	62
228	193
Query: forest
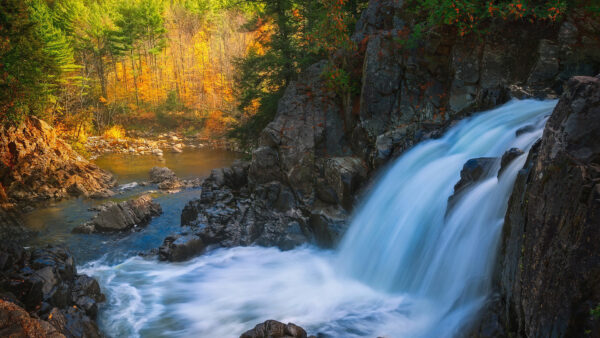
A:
208	66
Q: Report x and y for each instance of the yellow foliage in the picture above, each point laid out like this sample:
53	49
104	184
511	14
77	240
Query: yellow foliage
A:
115	132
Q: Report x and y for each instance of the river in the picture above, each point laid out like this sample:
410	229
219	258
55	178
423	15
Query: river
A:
406	268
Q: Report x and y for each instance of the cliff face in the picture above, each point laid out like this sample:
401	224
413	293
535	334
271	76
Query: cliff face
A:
36	165
317	154
548	274
323	151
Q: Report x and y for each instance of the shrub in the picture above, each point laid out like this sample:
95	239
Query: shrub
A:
115	132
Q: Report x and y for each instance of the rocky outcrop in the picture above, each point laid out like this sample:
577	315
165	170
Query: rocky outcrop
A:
11	226
124	216
42	295
227	215
321	149
166	179
548	270
275	329
36	165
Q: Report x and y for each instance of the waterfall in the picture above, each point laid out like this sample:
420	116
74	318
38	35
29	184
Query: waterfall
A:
407	267
403	238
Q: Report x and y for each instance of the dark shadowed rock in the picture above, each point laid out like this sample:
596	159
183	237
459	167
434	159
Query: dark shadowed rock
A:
179	248
45	283
122	216
345	175
508	157
548	270
473	171
275	329
328	223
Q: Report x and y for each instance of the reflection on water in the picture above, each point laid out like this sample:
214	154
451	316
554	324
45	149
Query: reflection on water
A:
56	220
189	164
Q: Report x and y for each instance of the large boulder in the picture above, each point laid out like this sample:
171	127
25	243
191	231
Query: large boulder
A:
275	329
118	217
45	284
548	271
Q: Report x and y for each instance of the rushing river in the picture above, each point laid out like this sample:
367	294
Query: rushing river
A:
55	221
406	268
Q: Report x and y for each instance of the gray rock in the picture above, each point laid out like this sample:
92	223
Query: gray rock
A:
508	157
548	270
180	248
122	216
161	174
345	175
328	223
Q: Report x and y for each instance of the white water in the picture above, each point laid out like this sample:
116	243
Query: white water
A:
406	268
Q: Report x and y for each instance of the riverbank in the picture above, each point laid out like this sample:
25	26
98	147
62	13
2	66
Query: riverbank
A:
158	145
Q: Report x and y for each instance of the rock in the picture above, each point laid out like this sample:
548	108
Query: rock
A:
166	179
39	166
548	269
508	157
170	184
345	175
180	248
16	322
176	149
160	174
122	216
328	225
157	152
12	227
275	329
45	283
473	171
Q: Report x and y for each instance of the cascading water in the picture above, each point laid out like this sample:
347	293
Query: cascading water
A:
406	268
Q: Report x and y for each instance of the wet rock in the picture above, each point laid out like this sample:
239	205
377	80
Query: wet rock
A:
508	157
180	248
328	224
548	270
45	283
12	227
473	171
122	216
275	329
345	175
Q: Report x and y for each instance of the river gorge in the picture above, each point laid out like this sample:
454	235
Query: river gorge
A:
409	265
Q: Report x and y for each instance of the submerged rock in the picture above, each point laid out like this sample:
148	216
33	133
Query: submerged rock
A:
45	283
179	248
115	217
508	157
275	329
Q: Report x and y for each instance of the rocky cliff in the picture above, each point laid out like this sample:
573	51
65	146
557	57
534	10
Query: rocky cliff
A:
316	156
36	165
548	270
